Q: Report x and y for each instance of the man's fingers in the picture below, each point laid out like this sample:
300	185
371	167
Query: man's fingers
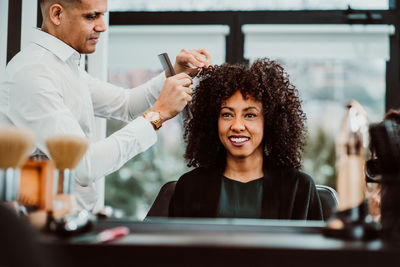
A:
185	82
183	79
205	52
181	76
188	98
190	58
191	61
204	56
187	90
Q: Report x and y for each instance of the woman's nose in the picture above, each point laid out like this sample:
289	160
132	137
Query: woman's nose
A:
238	124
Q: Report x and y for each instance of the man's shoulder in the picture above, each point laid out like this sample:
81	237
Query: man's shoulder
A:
33	58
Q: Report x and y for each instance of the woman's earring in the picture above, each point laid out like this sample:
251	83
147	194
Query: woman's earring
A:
266	150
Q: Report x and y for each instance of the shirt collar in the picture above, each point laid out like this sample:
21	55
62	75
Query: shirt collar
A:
55	45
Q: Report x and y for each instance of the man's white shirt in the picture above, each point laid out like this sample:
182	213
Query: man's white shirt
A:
47	92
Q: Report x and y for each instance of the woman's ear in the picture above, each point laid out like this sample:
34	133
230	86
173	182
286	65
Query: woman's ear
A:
55	13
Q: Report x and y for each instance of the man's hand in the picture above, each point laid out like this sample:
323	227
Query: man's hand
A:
190	61
174	96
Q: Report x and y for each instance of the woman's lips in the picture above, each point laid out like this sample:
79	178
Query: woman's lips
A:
238	140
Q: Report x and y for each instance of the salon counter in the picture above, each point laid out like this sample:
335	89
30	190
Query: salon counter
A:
161	242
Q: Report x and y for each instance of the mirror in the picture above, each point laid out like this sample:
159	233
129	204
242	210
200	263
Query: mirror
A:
325	83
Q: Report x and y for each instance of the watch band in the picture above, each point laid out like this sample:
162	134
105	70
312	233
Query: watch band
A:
154	117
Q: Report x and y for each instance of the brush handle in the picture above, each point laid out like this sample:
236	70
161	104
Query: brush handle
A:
3	185
9	184
350	182
16	184
64	181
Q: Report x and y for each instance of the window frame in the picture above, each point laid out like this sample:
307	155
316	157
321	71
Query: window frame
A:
236	19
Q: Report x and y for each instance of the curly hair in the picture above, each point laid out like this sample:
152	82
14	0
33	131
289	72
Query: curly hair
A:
265	81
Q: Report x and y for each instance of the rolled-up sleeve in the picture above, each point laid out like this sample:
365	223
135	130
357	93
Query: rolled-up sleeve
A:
36	103
113	102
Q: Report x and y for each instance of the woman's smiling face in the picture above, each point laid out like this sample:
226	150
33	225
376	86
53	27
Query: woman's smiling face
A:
241	126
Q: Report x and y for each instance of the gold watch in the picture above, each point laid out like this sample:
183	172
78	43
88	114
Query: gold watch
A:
154	118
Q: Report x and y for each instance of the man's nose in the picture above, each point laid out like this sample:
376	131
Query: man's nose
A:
100	26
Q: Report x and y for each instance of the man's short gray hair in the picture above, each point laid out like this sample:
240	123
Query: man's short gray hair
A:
44	3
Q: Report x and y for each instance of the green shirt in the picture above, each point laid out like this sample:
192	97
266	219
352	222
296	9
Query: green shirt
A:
240	200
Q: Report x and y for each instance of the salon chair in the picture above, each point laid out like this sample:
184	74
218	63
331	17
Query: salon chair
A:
329	200
161	203
328	197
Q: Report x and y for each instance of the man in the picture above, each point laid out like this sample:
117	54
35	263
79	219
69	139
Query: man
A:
47	92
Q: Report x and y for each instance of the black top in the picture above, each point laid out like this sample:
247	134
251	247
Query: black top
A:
240	200
287	194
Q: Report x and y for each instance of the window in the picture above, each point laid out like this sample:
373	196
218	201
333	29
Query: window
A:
330	65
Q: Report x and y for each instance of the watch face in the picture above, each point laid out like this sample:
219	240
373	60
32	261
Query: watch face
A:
153	116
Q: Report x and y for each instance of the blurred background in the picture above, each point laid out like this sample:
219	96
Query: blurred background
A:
330	64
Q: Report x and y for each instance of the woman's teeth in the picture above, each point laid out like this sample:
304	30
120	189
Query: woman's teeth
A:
238	139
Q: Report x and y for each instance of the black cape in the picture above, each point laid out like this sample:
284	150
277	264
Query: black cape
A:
287	194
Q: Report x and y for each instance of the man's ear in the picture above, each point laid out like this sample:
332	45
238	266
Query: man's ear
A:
55	13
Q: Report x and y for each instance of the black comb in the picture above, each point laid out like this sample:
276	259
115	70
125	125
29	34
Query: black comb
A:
166	64
169	71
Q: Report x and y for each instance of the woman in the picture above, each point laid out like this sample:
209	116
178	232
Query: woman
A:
245	138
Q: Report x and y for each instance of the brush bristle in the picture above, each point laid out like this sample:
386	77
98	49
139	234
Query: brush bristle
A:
15	146
66	150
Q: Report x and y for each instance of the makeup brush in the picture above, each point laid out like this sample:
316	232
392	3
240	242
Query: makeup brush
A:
352	221
66	151
15	146
351	147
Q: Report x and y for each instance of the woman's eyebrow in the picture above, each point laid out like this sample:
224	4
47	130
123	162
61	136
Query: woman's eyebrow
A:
248	108
245	109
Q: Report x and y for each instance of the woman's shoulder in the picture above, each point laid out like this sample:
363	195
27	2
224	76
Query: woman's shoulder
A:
305	180
292	174
302	176
197	175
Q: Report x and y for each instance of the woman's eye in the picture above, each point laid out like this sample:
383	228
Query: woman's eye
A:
250	115
226	115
